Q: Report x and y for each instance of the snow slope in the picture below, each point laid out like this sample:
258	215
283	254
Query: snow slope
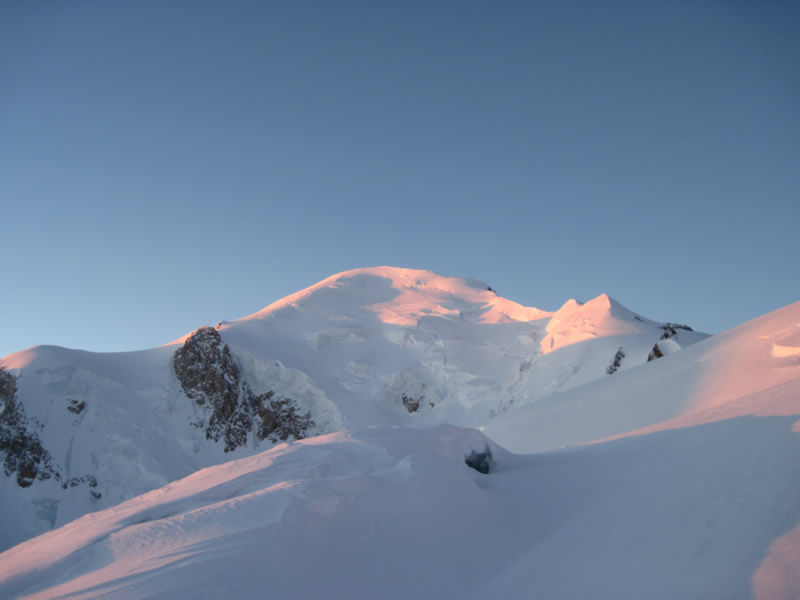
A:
722	419
750	370
689	489
380	346
369	336
705	503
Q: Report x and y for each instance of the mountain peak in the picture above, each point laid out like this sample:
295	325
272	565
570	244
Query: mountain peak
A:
576	321
403	296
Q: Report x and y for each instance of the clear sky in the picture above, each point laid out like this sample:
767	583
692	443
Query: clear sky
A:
166	165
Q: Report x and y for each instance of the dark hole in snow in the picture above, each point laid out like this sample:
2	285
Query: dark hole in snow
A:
480	461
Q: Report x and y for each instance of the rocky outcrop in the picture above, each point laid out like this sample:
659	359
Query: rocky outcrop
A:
662	346
480	461
210	377
616	362
76	407
655	353
671	330
415	403
20	447
278	419
205	368
411	404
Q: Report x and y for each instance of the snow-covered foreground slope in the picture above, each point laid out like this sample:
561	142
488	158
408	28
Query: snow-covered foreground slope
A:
380	346
395	513
697	496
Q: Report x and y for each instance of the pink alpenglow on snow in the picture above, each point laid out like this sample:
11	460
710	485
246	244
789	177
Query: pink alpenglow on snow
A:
651	461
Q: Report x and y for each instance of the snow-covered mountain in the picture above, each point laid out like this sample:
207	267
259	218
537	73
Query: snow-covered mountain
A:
82	431
323	446
686	485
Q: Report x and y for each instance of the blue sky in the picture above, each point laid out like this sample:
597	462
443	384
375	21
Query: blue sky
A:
169	165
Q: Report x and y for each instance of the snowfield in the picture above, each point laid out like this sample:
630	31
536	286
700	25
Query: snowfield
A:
611	476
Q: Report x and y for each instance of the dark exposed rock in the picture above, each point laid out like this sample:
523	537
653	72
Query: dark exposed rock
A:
20	447
480	461
76	481
76	407
205	368
208	375
616	362
278	419
655	353
671	329
413	404
410	403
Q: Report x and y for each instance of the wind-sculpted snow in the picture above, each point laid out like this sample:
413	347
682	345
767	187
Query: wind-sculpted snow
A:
310	505
396	513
